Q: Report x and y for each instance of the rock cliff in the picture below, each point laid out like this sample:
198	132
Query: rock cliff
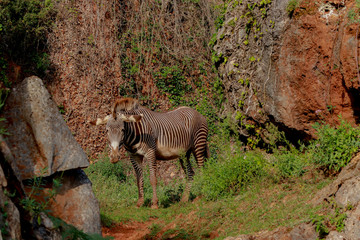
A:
289	65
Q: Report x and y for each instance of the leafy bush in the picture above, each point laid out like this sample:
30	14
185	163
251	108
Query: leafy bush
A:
24	26
227	177
32	203
290	164
107	169
292	5
172	81
335	146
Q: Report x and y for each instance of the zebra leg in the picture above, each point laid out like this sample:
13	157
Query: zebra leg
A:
201	148
137	164
189	177
150	157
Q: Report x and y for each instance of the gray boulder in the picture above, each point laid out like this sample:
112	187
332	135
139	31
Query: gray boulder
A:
41	144
40	140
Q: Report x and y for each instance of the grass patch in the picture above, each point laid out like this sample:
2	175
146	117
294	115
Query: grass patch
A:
236	192
246	207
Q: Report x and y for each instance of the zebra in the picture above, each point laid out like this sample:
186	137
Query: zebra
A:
154	136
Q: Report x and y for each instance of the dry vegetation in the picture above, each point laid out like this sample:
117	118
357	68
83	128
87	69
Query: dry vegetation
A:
101	50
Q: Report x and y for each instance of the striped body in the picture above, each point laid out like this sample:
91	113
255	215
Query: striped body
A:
171	134
156	136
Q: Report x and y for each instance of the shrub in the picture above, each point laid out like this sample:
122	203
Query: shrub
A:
335	146
23	30
107	169
290	164
227	177
292	5
172	81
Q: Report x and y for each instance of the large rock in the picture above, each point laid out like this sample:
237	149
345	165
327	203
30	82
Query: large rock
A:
301	232
40	140
75	202
9	214
41	145
290	70
345	191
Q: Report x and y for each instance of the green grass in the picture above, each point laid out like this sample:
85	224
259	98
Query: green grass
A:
264	206
237	192
261	205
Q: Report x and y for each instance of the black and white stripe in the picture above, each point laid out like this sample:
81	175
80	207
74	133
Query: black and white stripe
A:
160	136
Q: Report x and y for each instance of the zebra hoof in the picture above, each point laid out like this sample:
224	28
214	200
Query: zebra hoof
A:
140	202
154	206
184	199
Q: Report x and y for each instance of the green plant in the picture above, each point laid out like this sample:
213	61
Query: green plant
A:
290	164
103	167
42	63
154	230
353	14
230	175
292	5
334	219
335	145
31	202
274	138
70	232
3	67
219	21
25	24
4	223
171	80
62	109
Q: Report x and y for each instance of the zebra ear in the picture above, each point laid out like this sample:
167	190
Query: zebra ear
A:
100	121
131	118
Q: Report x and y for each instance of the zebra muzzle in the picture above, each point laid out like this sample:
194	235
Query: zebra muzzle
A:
114	156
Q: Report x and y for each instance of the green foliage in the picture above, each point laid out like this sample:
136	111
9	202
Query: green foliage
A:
70	232
154	230
24	26
354	13
3	131
116	184
42	62
210	112
274	138
219	21
292	5
4	223
3	67
290	164
171	80
176	234
334	218
104	167
62	109
335	146
31	203
230	175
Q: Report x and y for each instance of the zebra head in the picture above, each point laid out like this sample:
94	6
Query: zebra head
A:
115	131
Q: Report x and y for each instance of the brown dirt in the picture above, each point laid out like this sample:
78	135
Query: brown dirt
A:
130	231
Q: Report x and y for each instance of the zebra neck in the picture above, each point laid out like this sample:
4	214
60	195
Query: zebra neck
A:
132	134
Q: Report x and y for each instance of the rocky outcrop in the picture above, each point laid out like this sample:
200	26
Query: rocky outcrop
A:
301	232
345	192
292	67
40	146
9	214
40	140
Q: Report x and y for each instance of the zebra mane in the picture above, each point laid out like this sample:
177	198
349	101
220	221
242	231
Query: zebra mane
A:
124	104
